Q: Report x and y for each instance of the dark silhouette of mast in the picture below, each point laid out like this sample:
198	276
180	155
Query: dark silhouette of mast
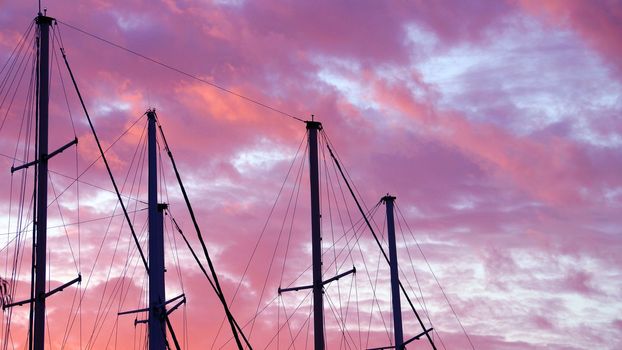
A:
43	23
316	242
157	312
395	281
36	338
426	331
316	237
396	285
157	298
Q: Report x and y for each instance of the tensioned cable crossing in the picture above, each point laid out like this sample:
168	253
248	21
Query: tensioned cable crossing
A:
182	72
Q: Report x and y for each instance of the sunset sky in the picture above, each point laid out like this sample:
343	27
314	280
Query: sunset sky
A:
496	124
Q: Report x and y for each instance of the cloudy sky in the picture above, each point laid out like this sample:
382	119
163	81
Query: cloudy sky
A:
495	123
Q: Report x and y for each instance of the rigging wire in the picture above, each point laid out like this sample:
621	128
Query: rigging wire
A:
330	187
141	151
27	117
375	287
235	328
172	243
263	231
20	43
280	303
182	72
63	225
33	271
421	302
77	164
56	39
294	337
101	151
345	178
347	243
76	223
77	178
363	259
295	191
17	52
269	303
436	279
341	324
107	231
130	254
286	321
308	325
138	175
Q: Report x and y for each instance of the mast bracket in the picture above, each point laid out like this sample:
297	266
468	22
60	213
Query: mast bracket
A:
46	156
42	18
161	306
181	302
46	295
416	337
137	321
311	124
332	279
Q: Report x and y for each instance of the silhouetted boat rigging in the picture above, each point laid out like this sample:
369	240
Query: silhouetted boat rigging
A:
156	313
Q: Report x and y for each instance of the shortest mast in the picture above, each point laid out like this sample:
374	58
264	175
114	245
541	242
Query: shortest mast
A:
395	281
157	298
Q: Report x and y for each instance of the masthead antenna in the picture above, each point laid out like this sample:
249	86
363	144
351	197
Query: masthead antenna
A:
39	6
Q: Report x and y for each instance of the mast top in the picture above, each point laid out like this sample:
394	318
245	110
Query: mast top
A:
151	113
313	125
43	19
388	198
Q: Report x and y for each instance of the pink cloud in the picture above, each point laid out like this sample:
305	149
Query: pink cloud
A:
597	23
554	170
512	221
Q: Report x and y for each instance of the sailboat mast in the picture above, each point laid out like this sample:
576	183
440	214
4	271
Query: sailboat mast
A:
43	24
157	298
316	238
395	281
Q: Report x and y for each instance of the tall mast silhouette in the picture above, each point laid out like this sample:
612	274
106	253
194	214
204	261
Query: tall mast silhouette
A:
157	298
316	237
395	281
38	296
157	311
43	24
313	128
